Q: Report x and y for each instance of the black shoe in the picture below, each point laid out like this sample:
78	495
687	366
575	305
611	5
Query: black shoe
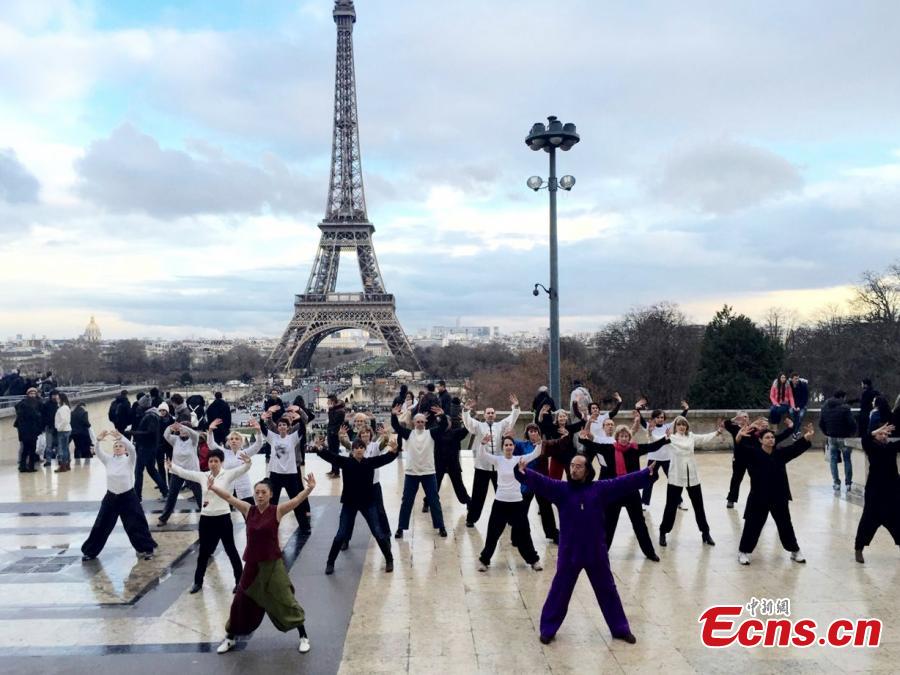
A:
443	532
196	588
424	508
147	555
389	566
470	524
858	556
654	557
162	521
708	540
546	640
398	534
329	568
662	539
46	464
234	590
345	545
87	558
628	637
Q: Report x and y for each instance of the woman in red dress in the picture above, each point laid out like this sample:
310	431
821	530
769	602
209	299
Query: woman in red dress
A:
265	587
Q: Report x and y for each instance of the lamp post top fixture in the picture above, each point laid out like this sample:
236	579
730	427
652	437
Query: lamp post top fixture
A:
553	135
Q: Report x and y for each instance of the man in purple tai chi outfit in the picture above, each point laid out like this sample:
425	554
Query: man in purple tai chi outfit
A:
582	540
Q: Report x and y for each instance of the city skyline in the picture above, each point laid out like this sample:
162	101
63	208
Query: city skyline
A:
165	167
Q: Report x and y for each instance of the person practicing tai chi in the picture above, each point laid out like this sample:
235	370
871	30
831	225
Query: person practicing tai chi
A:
683	474
656	428
373	449
184	441
542	465
582	503
119	502
264	586
484	470
882	497
232	450
358	496
620	458
418	446
215	517
770	492
508	507
283	438
745	446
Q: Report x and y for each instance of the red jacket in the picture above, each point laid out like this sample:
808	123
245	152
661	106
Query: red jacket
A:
786	397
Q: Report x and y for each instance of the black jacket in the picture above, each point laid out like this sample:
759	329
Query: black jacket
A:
749	443
836	419
446	401
768	472
220	410
632	457
80	421
866	403
336	416
120	413
48	414
358	476
148	432
29	422
882	465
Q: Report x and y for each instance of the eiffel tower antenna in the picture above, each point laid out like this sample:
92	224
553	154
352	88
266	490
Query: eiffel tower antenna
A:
320	310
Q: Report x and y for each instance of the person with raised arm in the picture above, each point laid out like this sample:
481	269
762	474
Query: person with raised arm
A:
120	501
622	457
745	445
373	449
264	587
770	493
358	496
508	507
541	464
882	498
283	439
582	504
484	470
683	475
418	446
215	516
656	428
184	441
235	445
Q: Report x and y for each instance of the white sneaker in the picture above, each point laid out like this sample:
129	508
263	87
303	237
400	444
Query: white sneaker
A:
744	558
797	556
644	507
226	646
304	645
537	567
683	506
482	567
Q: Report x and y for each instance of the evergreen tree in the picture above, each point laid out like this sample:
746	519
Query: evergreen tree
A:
738	362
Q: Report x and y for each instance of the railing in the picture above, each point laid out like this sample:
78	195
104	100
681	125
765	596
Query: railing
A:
74	393
345	297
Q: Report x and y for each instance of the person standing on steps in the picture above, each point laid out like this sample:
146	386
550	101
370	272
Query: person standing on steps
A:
582	503
484	470
120	501
770	493
215	517
264	586
882	496
418	445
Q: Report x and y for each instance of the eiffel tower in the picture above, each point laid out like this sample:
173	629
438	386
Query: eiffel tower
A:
321	311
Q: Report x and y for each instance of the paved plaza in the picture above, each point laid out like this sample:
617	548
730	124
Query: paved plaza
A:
436	612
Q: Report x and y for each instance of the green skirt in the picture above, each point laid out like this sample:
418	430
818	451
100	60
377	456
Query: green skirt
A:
265	588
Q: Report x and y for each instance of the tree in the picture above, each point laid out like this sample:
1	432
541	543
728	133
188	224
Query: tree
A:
185	379
738	362
877	298
128	359
651	352
77	363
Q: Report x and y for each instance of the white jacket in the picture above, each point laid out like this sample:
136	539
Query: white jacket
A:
481	429
683	466
213	504
63	418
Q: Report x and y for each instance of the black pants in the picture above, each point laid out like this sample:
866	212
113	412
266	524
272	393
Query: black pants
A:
82	445
345	530
334	446
378	500
162	453
632	506
214	529
126	507
28	456
448	464
175	485
545	510
479	493
648	491
755	516
291	484
882	507
146	459
514	515
738	469
673	499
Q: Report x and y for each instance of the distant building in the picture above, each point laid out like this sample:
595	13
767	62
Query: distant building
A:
92	332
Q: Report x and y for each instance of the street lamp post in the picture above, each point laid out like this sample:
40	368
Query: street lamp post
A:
548	138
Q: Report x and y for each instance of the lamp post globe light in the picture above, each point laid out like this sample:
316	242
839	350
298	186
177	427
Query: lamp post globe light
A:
548	138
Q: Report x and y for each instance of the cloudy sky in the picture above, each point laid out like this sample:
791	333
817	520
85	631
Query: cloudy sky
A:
164	165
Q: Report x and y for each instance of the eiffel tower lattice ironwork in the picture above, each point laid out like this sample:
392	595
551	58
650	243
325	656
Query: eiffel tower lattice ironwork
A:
321	310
